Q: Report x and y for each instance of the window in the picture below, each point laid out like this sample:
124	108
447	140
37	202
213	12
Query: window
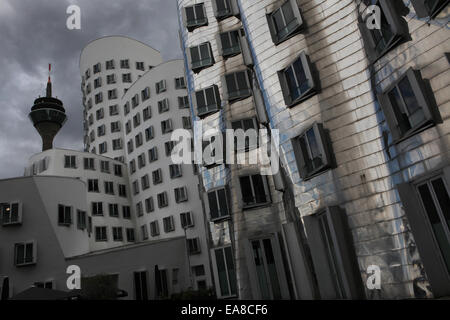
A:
266	269
147	113
193	246
157	176
200	57
117	234
70	162
187	220
113	210
126	108
110	65
163	105
393	29
126	212
25	253
88	73
91	119
236	86
97	208
161	86
133	166
135	187
101	130
285	21
115	126
103	147
169	145
149	133
130	235
97	83
118	170
93	185
429	8
145	94
130	146
89	164
99	114
126	78
117	144
250	134
135	101
187	124
225	8
207	100
114	110
138	139
180	83
136	120
198	271
169	224
128	128
194	16
183	102
140	66
141	160
64	215
125	64
166	126
333	255
110	79
154	228
297	82
140	286
312	151
81	219
218	204
149	205
145	182
163	200
175	170
153	154
139	209
229	43
97	68
181	194
98	98
88	89
104	166
407	106
11	213
255	190
144	232
112	94
109	187
122	190
101	234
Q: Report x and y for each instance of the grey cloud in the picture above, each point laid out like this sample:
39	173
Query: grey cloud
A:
33	33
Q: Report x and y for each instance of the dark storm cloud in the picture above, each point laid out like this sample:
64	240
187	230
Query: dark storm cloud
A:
33	33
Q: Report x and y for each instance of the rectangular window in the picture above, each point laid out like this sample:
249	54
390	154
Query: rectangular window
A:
229	43
161	86
135	187
407	105
110	65
163	105
117	144
187	124
181	194
101	234
99	98
81	219
93	185
126	108
126	78
250	139
111	79
115	126
138	139
141	160
101	130
25	253
97	208
122	190
312	151
117	234
236	86
145	182
147	113
126	212
157	176
130	148
297	81
118	170
166	126
97	68
183	102
105	166
130	235
163	200
154	228
64	215
112	94
169	224
113	210
125	64
149	133
109	187
193	246
218	204
194	16
89	163
175	171
207	100
149	205
140	286
200	57
140	66
187	220
145	94
285	21
139	209
97	83
153	154
70	162
255	190
180	83
135	101
225	8
144	232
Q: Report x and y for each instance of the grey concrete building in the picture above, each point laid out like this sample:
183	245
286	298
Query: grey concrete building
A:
362	115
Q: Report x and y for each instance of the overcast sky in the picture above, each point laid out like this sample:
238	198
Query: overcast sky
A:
33	34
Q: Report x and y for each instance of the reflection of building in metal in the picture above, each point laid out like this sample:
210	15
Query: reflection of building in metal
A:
126	203
363	122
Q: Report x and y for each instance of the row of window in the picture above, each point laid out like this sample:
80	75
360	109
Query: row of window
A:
111	65
101	234
113	210
71	162
186	220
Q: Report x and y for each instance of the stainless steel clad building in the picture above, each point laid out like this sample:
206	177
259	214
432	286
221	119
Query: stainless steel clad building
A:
361	108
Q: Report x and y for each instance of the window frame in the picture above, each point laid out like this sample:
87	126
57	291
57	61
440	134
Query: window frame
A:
248	206
196	23
208	109
25	263
240	94
219	216
232	9
18	221
204	62
290	33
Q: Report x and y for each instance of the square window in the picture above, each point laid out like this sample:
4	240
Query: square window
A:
285	21
200	57
207	101
194	16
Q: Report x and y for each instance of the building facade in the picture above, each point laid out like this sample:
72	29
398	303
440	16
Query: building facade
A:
362	116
